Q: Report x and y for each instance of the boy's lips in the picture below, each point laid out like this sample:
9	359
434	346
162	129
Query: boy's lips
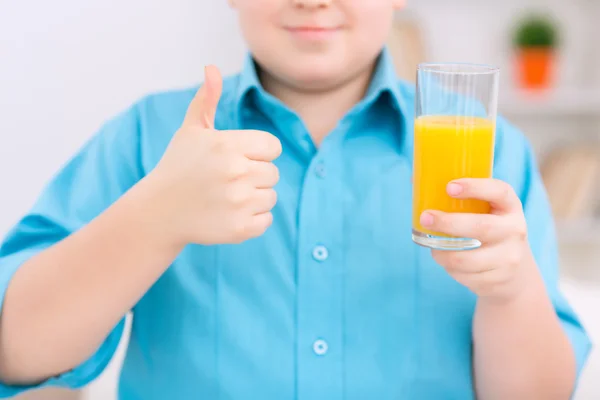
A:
312	32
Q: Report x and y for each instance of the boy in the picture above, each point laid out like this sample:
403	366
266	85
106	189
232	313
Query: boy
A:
279	265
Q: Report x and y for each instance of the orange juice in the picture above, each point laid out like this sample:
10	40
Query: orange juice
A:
449	148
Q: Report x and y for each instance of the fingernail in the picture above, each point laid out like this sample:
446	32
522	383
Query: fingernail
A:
454	189
426	219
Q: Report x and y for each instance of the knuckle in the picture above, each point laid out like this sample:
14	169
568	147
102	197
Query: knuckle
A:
276	145
275	172
521	232
267	222
272	198
235	169
259	225
266	199
239	229
446	222
506	192
483	226
270	142
236	195
519	201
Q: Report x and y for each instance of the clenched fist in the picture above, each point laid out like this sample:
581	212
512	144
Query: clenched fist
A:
216	187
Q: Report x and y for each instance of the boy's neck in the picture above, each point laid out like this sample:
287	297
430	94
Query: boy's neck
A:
320	110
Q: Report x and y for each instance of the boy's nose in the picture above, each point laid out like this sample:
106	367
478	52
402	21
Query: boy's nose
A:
312	3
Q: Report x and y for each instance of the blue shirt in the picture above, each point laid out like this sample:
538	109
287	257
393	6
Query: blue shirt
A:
333	302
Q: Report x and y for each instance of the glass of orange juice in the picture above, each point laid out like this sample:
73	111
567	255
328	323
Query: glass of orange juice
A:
455	125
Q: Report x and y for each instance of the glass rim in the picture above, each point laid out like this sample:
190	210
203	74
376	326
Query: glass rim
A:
458	68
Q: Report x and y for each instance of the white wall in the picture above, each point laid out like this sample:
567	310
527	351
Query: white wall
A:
68	65
480	31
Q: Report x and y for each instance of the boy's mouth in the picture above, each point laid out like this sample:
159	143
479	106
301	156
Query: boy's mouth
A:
313	33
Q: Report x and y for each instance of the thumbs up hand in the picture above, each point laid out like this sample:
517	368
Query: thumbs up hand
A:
216	187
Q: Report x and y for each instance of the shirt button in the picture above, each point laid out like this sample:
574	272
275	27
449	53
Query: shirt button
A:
320	253
320	347
320	170
307	144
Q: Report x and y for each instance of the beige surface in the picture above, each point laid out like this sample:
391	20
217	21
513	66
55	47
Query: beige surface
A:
50	394
407	46
571	175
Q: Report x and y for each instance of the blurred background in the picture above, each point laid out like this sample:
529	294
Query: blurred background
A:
66	66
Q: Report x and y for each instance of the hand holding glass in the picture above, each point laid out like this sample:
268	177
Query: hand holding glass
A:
456	107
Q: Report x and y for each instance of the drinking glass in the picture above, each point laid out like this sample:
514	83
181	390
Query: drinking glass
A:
455	126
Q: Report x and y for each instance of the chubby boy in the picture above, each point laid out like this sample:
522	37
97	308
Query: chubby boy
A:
258	230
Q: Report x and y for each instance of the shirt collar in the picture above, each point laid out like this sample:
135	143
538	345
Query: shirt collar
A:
248	80
384	80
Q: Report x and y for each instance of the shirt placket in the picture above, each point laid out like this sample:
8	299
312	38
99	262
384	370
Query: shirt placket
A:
320	345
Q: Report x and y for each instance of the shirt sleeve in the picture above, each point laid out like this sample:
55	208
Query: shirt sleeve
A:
518	160
104	169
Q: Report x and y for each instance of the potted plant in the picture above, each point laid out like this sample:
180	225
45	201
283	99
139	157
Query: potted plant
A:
535	40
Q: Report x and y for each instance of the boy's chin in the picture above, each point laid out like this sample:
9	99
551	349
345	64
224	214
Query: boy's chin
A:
315	79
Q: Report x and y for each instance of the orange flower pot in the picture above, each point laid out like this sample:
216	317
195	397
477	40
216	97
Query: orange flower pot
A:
535	67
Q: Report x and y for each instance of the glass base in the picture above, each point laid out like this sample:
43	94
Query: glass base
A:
444	243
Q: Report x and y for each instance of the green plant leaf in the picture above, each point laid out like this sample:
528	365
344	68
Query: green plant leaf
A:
536	31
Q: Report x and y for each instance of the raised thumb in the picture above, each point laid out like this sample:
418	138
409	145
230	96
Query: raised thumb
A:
203	106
